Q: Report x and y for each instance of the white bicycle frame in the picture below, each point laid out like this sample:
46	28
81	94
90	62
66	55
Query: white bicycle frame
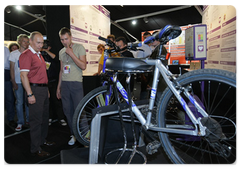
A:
178	129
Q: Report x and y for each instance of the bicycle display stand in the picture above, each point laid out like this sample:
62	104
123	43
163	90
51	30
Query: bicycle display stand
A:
125	156
98	129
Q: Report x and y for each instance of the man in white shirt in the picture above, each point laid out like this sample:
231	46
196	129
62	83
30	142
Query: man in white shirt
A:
7	86
145	50
23	42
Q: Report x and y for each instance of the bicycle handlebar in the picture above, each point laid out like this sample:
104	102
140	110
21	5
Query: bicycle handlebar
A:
107	41
134	45
131	46
149	40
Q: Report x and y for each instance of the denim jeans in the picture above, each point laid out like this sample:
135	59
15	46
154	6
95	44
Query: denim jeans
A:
19	93
9	100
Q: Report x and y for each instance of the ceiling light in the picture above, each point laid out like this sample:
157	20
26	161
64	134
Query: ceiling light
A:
145	19
18	7
134	22
8	10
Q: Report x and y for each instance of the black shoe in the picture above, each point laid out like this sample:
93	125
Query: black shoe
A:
48	143
12	124
42	153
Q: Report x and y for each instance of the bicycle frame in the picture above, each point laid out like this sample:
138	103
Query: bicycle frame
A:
176	89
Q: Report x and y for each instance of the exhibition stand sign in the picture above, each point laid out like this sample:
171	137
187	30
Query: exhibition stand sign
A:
87	23
221	36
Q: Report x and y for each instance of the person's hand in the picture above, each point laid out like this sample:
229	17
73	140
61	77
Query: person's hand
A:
32	99
149	87
58	93
15	86
96	74
69	50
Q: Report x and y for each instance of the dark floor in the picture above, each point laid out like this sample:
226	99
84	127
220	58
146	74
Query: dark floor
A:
17	148
17	145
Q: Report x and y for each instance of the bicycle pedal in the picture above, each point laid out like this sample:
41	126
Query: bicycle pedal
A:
152	147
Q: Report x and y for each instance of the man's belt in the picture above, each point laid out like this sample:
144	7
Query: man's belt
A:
40	85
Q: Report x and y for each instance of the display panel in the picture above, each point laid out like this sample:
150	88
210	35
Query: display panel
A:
88	22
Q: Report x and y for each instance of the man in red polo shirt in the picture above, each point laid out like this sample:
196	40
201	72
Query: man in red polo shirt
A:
34	79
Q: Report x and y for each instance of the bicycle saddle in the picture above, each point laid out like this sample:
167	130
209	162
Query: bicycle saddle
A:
166	34
127	65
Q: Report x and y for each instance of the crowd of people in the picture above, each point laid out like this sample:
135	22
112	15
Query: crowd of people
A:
38	84
34	77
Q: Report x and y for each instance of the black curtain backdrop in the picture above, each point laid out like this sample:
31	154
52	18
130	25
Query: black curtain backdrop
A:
57	17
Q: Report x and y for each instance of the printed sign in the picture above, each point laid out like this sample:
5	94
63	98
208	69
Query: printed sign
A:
88	22
221	36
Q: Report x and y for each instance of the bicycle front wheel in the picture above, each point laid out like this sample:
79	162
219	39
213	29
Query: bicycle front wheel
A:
215	91
82	117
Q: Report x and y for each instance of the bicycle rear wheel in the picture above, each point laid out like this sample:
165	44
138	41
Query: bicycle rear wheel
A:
216	92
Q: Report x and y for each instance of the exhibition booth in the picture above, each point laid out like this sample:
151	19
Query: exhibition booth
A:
131	130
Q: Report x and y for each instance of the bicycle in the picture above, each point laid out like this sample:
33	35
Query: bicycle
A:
196	114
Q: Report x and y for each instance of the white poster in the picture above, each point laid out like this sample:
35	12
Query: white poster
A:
88	22
221	36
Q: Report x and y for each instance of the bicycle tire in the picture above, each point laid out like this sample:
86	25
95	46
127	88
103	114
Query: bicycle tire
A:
78	116
82	117
184	149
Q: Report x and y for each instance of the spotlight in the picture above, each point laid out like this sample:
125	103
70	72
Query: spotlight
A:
134	22
8	10
18	7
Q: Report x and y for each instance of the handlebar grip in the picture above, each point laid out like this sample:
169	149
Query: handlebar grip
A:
107	41
149	40
103	39
133	45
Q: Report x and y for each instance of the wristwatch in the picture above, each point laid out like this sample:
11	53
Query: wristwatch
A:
30	95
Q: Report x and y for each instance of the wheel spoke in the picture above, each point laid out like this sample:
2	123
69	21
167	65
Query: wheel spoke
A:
217	95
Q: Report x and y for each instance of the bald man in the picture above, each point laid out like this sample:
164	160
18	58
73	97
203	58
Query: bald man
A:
34	79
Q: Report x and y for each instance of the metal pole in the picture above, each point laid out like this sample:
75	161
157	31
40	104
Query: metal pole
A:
17	27
154	13
40	18
121	28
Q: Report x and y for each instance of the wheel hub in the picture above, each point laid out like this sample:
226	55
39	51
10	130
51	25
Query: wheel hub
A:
213	131
214	135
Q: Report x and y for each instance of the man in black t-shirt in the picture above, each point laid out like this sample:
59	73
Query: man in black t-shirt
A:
121	42
53	67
